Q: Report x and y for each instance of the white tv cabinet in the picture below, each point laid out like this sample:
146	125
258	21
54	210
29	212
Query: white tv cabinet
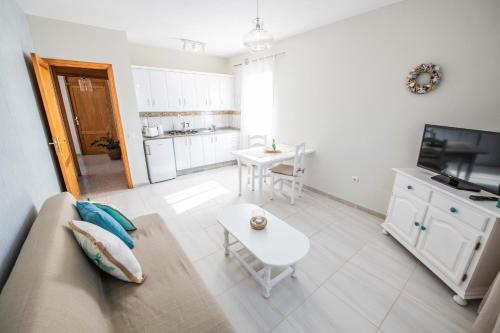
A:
456	238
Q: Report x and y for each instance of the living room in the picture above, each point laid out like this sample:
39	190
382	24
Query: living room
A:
339	125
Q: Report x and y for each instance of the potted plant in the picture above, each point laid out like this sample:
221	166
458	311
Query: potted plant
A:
112	145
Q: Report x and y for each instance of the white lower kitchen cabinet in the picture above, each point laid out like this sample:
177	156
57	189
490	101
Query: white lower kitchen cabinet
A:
456	238
182	152
208	149
199	150
196	155
225	143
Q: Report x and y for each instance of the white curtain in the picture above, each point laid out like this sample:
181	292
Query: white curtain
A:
257	98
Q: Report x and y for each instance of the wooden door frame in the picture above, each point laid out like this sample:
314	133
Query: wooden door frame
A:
108	68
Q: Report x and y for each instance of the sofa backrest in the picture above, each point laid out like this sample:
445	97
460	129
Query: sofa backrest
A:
53	287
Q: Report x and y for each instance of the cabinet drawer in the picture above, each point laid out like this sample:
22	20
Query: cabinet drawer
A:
468	215
411	186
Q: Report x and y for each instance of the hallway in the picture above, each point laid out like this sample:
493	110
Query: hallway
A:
100	174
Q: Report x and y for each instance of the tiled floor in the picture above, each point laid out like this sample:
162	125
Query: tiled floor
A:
354	279
100	174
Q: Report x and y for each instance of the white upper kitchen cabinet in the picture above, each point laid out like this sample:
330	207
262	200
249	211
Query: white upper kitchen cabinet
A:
170	90
196	151
189	96
203	91
174	91
182	152
158	84
227	92
214	101
142	88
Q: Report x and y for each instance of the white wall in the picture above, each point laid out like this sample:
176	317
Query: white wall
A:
27	170
341	88
142	55
64	40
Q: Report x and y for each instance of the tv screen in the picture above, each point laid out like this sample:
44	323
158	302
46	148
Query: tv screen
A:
468	155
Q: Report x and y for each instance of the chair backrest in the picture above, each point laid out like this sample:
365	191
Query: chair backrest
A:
298	161
257	141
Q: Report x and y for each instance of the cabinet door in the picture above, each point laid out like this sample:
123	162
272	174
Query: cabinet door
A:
174	91
181	147
214	99
189	98
142	88
159	99
196	151
227	92
203	91
209	149
220	147
448	244
405	216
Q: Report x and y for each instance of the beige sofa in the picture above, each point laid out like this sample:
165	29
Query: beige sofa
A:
53	287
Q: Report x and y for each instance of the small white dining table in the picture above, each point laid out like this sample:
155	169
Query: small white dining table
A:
258	157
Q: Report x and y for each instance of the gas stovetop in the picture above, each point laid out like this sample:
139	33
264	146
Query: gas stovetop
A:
181	132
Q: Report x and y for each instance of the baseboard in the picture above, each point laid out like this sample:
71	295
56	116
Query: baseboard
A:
205	168
346	202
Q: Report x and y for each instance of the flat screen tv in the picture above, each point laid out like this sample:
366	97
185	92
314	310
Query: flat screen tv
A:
464	158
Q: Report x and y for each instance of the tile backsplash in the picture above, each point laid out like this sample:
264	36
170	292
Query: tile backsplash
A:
201	120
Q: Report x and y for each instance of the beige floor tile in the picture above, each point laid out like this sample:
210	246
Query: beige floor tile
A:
378	263
325	312
363	291
409	315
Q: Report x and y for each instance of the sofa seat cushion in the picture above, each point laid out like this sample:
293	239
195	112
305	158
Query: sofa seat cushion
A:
173	298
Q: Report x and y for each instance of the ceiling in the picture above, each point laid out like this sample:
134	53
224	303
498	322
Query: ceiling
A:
219	23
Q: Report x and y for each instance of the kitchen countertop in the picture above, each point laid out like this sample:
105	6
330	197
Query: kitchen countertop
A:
204	131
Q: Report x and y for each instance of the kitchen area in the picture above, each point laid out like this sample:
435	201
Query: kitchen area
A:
189	120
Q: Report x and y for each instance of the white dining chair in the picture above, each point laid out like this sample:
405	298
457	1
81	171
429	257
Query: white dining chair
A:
290	173
254	141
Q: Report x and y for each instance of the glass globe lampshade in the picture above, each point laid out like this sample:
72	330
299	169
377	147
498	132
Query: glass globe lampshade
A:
258	39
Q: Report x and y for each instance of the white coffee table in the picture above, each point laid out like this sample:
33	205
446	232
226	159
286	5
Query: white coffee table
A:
278	245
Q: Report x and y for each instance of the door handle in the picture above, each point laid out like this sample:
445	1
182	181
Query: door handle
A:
55	142
180	102
77	121
184	101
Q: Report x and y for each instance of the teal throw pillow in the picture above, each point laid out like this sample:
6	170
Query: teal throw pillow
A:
91	213
117	215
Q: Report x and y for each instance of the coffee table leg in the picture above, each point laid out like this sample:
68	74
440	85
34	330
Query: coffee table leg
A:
294	268
267	282
226	242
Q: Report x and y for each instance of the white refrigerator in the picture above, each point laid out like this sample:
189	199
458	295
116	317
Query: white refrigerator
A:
160	159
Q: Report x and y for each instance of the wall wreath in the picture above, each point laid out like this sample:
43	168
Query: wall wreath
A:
435	78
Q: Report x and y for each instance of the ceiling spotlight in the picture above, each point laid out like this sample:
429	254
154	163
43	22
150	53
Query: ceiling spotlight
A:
192	46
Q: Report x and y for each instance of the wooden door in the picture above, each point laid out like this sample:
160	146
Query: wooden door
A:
448	244
92	113
46	85
405	216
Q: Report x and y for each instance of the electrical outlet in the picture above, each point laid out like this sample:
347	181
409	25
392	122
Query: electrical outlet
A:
355	179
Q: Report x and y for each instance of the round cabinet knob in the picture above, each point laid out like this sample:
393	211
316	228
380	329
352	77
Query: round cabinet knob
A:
417	224
423	228
409	187
453	210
